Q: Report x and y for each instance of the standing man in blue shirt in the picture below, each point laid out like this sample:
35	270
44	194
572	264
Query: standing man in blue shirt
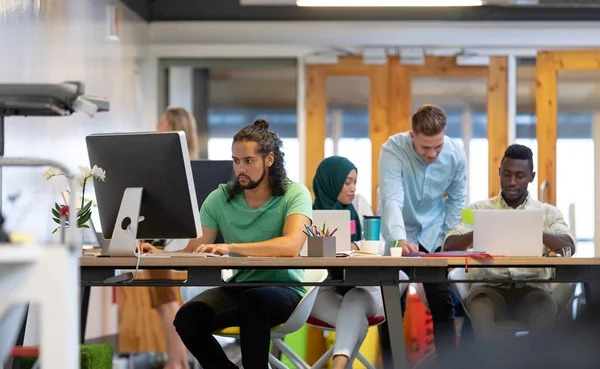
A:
422	181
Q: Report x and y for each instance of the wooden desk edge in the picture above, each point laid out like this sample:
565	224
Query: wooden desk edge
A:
523	261
233	262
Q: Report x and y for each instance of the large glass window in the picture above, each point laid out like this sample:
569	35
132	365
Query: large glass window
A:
225	122
227	94
353	144
573	185
348	126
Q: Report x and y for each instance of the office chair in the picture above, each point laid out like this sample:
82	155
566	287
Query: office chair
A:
374	321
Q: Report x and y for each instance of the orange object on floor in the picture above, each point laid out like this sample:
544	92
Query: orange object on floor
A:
20	351
418	329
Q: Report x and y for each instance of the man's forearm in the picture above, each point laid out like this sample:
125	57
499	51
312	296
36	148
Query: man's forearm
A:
555	241
458	242
276	247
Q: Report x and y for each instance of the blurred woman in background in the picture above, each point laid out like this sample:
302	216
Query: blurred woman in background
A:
166	299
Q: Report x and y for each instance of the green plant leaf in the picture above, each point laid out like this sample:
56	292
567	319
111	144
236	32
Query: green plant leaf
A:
83	219
84	214
84	226
57	221
57	207
55	229
85	208
55	213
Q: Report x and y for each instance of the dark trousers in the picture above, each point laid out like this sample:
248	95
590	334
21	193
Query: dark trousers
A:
254	309
441	306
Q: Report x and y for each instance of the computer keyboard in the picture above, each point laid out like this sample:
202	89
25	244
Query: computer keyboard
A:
181	255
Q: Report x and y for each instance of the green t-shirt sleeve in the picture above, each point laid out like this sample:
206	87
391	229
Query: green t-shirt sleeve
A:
298	201
208	214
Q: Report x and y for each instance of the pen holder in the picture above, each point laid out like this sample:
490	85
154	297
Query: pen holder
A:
321	247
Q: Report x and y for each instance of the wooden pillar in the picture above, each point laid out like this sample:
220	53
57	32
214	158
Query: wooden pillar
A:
378	123
497	119
316	132
400	94
399	113
546	126
316	120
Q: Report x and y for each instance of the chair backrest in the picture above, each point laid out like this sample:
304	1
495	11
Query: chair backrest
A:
304	307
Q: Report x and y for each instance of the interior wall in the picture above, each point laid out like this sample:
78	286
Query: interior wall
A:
51	41
65	40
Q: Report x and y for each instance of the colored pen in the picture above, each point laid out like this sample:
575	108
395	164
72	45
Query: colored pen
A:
336	228
310	233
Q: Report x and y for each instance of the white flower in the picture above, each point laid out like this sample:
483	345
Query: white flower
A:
85	172
98	173
51	172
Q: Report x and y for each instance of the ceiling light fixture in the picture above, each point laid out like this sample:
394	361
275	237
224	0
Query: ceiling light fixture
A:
373	3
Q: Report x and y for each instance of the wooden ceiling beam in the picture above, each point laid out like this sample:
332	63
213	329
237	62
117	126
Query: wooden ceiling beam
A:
445	66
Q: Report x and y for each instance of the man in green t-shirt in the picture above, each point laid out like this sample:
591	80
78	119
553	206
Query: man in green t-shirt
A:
262	213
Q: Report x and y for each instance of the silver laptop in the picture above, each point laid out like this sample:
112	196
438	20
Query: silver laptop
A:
508	232
333	219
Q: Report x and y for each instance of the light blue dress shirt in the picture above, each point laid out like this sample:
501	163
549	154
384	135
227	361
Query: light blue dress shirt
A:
411	192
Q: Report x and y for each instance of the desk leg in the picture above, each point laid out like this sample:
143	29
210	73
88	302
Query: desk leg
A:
85	303
393	315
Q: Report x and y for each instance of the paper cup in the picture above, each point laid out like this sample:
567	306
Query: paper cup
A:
396	251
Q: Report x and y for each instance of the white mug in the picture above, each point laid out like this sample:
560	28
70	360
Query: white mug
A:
373	247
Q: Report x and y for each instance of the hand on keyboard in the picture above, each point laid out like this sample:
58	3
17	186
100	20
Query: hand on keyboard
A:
168	254
218	249
146	248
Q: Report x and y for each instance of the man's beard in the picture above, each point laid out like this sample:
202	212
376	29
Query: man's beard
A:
253	184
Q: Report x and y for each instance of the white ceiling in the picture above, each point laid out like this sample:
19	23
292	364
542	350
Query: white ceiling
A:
208	39
275	87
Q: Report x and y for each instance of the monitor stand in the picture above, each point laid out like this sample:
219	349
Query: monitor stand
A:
123	240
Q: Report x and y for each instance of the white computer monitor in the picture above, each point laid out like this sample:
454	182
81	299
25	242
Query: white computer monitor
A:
149	189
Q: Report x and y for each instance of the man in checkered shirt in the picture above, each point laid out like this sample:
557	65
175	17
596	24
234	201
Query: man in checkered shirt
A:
529	302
